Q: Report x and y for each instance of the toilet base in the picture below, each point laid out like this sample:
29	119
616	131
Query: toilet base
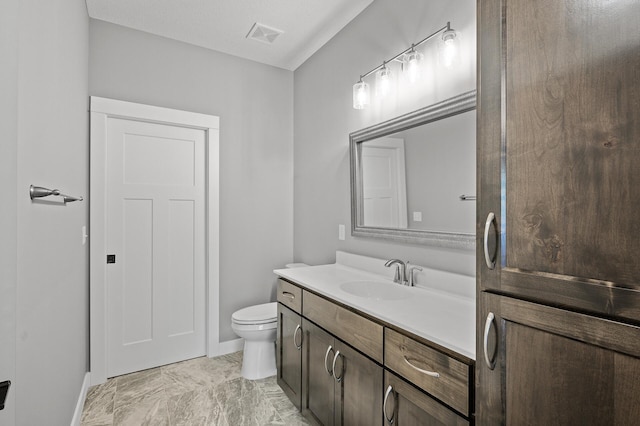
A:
258	359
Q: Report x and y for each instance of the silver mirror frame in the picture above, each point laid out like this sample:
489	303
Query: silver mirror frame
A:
438	111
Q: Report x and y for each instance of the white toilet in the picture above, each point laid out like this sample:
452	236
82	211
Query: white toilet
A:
257	325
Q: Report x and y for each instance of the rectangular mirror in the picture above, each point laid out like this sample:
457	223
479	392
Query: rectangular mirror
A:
413	178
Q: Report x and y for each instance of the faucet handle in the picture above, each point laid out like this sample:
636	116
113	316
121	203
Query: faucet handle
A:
410	269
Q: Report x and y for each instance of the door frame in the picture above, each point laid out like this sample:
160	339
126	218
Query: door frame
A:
101	109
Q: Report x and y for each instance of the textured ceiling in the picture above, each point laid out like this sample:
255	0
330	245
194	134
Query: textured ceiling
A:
223	25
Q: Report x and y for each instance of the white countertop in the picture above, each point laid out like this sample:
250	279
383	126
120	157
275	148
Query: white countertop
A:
447	319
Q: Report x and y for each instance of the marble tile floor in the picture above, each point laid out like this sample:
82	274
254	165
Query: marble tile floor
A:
201	391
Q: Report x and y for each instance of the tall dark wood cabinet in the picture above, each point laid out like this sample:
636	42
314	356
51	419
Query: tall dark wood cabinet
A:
558	256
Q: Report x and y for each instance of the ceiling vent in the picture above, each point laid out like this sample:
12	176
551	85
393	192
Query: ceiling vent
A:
263	33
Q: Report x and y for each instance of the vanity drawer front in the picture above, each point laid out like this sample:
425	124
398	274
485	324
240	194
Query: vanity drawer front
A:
411	406
360	332
290	295
414	360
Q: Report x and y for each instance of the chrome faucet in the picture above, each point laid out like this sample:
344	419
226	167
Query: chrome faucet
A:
409	273
404	272
400	276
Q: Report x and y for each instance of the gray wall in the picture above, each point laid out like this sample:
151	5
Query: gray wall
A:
255	106
8	208
441	165
324	117
44	75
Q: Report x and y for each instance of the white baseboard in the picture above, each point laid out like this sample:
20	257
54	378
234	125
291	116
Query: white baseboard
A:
228	347
77	414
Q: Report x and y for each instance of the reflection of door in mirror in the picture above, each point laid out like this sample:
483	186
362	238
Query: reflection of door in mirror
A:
384	183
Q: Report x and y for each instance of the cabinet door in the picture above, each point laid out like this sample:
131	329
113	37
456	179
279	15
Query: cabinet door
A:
552	366
289	354
558	155
558	152
358	388
317	380
405	405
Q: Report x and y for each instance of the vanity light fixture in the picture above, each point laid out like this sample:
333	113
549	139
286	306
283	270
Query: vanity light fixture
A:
411	60
383	81
411	64
449	47
360	95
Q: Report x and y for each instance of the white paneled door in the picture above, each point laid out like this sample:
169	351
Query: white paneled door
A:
384	183
155	240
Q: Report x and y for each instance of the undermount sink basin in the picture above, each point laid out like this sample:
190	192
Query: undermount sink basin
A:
379	290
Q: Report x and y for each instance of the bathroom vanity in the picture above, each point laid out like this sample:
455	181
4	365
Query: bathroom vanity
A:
355	348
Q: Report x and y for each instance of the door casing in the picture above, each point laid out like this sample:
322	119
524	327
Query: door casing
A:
101	110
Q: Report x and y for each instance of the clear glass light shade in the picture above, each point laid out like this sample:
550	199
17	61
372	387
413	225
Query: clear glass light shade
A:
360	95
383	82
449	49
412	64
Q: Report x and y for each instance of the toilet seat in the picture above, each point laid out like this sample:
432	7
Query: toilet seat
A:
256	315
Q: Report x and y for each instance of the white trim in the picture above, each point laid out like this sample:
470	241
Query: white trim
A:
228	347
116	108
102	109
213	241
77	414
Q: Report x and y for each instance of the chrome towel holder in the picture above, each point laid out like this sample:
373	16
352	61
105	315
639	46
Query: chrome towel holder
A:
39	192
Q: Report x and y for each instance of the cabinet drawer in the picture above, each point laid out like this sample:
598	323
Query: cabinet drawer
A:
290	295
360	332
414	361
407	404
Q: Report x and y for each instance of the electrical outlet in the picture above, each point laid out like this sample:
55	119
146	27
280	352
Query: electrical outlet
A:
341	232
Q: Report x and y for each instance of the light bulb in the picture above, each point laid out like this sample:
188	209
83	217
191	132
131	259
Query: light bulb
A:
360	95
412	61
383	82
449	48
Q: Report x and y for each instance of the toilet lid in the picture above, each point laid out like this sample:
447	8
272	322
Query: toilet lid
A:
258	314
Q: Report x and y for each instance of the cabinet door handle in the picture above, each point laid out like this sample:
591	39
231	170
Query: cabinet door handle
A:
289	295
333	367
326	356
391	419
491	363
427	372
298	347
491	263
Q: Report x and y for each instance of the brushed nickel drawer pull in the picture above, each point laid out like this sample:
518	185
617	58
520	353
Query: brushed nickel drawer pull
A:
391	419
326	356
491	363
289	295
491	263
298	328
427	372
333	367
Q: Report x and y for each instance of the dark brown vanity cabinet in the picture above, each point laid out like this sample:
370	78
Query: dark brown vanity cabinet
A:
558	199
289	342
349	360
